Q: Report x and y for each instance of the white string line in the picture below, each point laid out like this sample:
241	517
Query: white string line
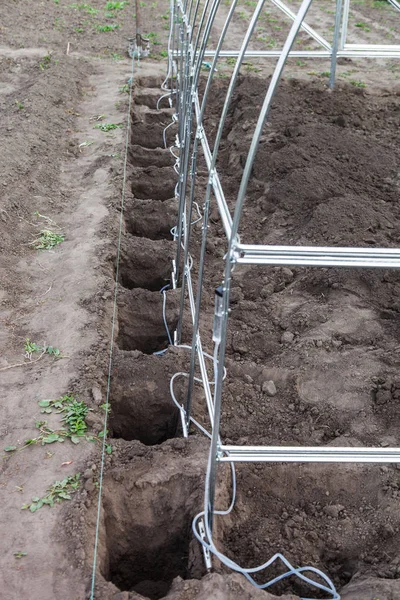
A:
113	322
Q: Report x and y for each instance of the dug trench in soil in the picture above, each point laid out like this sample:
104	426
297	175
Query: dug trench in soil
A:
312	354
150	495
142	408
145	263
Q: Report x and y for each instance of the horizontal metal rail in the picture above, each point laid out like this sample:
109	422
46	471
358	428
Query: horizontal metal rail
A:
380	47
310	454
314	256
378	52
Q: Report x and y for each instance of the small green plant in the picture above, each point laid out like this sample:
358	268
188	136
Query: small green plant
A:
59	24
75	412
79	29
21	553
268	41
363	26
231	61
153	38
105	28
164	53
45	62
116	56
124	89
47	240
393	67
84	145
86	7
19	104
250	68
31	347
57	492
116	5
358	83
108	126
301	63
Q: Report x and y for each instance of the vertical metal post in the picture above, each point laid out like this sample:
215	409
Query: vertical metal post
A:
192	85
226	286
345	22
335	45
205	218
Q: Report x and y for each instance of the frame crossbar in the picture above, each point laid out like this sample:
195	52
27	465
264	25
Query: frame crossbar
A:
301	454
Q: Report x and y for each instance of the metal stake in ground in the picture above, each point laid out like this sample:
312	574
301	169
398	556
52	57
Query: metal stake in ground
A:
139	47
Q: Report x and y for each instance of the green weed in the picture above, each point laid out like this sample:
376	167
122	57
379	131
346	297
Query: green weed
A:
57	492
153	38
250	68
86	7
74	411
363	26
47	240
105	28
358	83
108	126
45	62
85	145
19	104
21	553
31	347
116	5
